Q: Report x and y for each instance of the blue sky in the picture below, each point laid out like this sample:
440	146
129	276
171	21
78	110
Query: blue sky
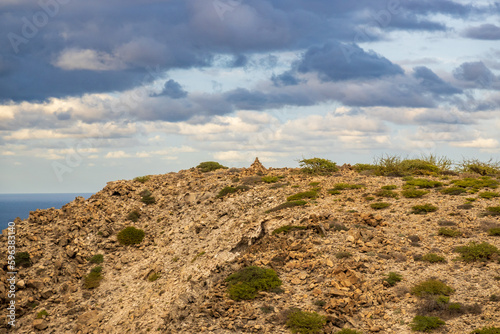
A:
93	91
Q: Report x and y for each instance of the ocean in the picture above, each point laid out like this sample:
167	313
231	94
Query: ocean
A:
20	205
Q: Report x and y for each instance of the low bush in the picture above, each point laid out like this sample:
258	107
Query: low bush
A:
22	259
432	287
495	231
487	330
210	166
305	322
392	278
134	216
433	258
41	314
423	209
306	194
449	232
489	194
130	236
270	179
389	187
318	166
423	183
413	193
231	190
97	258
482	182
147	197
286	205
423	323
93	279
492	211
287	228
360	168
142	179
333	191
380	205
476	252
153	277
247	282
347	186
479	167
453	191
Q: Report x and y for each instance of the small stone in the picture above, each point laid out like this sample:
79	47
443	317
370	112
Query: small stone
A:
40	324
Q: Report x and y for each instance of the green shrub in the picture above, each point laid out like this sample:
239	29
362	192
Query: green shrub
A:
130	236
386	193
480	167
198	256
492	211
489	194
426	324
395	166
487	330
380	205
142	179
423	209
245	283
306	194
333	191
449	232
413	193
453	191
318	166
346	186
305	322
433	258
231	190
392	278
364	167
423	183
209	166
314	184
147	197
483	182
432	287
476	252
270	179
134	216
22	259
287	228
93	279
41	314
97	258
495	231
153	277
286	205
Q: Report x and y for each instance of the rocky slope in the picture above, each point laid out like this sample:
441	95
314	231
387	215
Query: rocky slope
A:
174	280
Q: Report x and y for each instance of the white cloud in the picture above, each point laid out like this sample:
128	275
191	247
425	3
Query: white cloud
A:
486	143
8	153
86	59
117	155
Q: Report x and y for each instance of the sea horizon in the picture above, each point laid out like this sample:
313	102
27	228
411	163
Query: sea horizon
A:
13	205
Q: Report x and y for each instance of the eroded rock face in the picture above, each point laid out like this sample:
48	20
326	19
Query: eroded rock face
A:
174	280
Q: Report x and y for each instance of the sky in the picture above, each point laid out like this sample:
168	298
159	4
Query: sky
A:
94	91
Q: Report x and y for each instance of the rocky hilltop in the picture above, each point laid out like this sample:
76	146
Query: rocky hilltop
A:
331	239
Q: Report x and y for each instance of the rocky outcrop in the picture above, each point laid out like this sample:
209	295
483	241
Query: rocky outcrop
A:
174	280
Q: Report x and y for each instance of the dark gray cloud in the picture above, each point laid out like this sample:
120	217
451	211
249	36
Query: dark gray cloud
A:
336	61
475	73
173	90
287	78
484	31
430	82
